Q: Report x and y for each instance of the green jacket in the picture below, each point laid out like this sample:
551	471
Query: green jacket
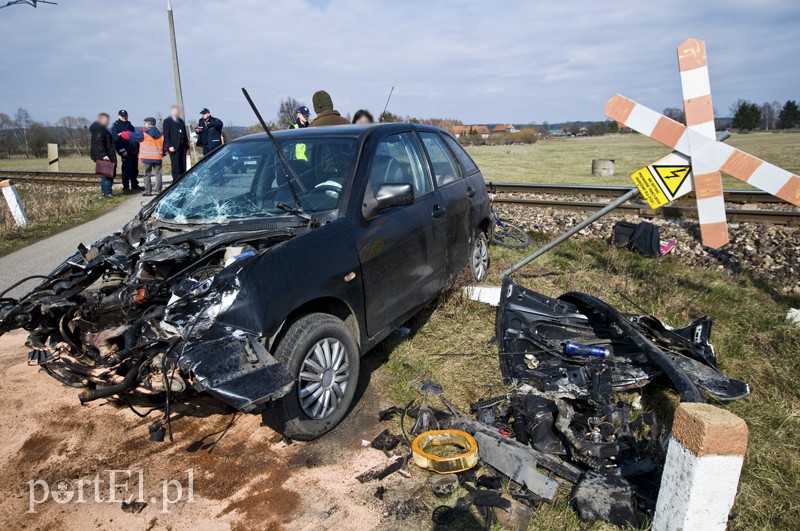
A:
331	117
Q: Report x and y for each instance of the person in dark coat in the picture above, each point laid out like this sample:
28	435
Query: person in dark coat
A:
129	153
209	132
326	114
102	148
176	141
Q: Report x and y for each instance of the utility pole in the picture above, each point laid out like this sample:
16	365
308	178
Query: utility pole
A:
177	71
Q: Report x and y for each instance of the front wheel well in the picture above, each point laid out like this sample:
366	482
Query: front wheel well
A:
328	305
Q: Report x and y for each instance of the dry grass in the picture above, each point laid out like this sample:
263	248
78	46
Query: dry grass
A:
569	160
753	340
50	209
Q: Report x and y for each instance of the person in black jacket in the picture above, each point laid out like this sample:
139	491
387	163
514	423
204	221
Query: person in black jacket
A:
129	153
176	141
102	148
209	132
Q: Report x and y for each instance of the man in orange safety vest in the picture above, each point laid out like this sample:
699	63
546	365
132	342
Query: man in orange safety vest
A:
151	152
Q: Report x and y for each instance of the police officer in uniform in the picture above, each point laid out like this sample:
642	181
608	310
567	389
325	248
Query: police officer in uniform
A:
129	152
209	132
299	123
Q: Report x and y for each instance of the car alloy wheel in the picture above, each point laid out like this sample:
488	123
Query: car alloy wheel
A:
480	257
323	379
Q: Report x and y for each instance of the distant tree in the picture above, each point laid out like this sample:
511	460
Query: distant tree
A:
789	116
675	113
746	115
7	141
287	112
769	118
75	130
389	117
22	121
38	136
230	131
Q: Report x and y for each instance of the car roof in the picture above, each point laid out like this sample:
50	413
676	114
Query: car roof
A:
340	130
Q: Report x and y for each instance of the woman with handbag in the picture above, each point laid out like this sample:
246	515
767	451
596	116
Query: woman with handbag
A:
103	154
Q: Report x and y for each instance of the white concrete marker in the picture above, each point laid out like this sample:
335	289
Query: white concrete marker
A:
52	157
14	203
701	472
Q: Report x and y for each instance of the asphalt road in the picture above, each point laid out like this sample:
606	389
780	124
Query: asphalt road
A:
43	256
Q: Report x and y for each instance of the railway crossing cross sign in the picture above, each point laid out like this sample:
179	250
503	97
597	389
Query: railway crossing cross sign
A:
698	157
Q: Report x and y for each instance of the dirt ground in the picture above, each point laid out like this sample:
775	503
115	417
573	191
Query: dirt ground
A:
242	475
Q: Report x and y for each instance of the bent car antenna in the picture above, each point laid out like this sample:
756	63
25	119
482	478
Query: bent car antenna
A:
383	114
278	150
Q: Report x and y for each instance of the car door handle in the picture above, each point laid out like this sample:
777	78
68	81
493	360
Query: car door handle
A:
437	211
470	191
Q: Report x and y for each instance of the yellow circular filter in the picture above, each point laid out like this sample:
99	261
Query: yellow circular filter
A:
449	464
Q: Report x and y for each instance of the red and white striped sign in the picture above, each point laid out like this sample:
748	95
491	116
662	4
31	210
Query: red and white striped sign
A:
696	146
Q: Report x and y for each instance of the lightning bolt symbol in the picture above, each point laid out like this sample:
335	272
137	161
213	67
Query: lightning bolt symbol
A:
675	173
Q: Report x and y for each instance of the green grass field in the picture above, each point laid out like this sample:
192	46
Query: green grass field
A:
569	160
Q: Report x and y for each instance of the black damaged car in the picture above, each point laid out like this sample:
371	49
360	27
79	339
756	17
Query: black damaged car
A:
262	279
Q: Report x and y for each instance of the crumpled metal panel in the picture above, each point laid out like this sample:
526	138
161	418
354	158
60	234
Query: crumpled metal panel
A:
237	370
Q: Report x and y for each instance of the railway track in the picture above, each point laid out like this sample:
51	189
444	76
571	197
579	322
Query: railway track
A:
680	209
522	196
75	178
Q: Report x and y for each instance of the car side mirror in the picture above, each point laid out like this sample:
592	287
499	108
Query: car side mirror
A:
394	195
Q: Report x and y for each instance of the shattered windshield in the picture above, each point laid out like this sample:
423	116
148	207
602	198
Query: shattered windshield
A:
246	179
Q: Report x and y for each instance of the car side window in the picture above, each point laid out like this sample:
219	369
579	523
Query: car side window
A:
445	168
398	161
466	161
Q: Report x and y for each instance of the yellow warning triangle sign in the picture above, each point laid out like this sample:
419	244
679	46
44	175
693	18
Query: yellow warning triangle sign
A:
672	176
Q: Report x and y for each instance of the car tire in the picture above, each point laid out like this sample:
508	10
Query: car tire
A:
319	350
479	257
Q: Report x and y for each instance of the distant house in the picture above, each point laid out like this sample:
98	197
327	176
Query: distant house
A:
459	130
558	133
504	128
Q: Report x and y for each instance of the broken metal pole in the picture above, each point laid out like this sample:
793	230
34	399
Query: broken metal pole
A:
586	222
722	137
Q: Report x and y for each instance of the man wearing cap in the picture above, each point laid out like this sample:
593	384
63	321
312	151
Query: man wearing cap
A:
176	141
302	118
326	114
151	152
127	151
209	132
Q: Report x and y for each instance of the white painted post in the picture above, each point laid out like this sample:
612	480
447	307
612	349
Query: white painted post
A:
14	203
52	157
701	472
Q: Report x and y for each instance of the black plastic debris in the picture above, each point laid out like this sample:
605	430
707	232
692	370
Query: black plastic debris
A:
381	471
134	507
643	237
385	441
607	497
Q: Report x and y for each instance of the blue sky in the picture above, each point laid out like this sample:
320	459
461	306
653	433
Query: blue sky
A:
479	61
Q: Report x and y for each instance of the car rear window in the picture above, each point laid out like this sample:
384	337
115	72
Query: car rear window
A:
466	161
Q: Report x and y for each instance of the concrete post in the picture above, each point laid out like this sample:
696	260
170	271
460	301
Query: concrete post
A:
14	203
701	472
52	157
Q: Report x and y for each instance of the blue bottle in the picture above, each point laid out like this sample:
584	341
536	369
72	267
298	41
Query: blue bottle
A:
576	349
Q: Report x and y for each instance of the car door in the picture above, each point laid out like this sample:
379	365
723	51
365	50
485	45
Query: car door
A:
401	249
473	180
453	188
